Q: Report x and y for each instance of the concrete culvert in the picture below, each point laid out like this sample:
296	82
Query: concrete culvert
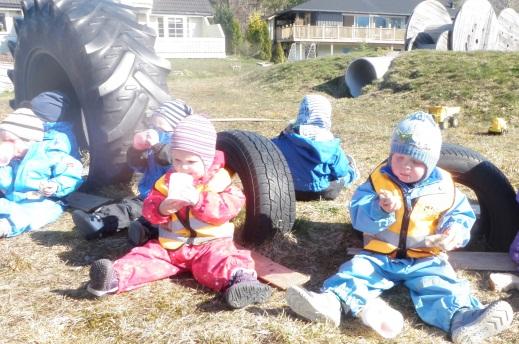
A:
365	70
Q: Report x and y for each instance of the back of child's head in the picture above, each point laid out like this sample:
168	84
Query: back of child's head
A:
196	134
418	136
173	111
315	110
51	106
24	124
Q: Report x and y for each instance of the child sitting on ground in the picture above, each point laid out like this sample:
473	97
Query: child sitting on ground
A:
192	204
319	167
34	174
410	212
149	155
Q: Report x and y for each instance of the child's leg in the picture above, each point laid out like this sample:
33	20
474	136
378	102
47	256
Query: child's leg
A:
145	264
28	216
437	293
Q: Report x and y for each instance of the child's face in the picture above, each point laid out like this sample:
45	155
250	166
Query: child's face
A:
189	163
160	123
20	147
407	169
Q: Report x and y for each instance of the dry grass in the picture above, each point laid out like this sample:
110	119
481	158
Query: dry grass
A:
43	274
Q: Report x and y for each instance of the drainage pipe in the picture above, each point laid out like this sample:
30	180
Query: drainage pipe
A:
363	71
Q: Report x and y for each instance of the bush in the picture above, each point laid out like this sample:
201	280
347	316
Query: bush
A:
278	55
258	36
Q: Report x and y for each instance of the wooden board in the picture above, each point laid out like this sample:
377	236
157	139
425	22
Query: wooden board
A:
276	274
85	202
485	261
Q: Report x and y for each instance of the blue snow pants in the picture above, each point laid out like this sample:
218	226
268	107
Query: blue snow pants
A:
29	215
434	288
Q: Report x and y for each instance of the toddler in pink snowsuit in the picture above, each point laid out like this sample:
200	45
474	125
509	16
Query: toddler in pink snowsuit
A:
192	204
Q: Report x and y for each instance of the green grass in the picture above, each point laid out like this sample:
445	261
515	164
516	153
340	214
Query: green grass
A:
43	274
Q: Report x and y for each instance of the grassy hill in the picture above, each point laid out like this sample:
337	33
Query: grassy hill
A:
43	274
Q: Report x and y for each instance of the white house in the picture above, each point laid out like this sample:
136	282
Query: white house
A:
8	10
183	27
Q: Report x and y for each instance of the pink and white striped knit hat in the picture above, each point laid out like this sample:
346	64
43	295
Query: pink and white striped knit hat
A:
196	134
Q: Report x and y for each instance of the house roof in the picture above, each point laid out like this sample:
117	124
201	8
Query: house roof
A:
396	7
10	4
198	7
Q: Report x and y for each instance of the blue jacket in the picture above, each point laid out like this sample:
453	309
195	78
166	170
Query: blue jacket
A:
153	163
314	164
44	161
368	217
63	133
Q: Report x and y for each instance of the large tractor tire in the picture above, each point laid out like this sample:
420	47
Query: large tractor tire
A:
97	53
499	218
267	183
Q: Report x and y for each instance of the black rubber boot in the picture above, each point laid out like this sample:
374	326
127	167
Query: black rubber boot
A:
92	225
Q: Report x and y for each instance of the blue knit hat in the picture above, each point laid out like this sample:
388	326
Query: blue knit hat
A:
50	106
419	137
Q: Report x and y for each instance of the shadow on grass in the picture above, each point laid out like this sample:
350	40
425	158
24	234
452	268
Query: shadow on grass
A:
81	252
336	88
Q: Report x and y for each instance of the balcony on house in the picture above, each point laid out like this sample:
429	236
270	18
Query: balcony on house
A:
340	34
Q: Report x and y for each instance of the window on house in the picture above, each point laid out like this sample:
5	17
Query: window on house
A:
348	20
160	22
2	22
362	21
380	21
398	23
175	27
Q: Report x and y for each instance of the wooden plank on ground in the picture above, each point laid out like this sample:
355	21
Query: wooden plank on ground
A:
276	274
485	261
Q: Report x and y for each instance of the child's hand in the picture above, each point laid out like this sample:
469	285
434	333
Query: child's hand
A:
48	188
170	206
145	139
389	201
447	241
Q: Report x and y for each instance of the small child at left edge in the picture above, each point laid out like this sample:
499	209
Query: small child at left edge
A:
192	204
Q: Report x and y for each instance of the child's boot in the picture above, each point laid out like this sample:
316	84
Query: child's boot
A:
92	225
385	320
470	326
318	307
245	289
139	233
103	279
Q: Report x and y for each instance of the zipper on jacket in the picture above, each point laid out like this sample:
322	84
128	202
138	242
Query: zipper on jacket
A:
402	242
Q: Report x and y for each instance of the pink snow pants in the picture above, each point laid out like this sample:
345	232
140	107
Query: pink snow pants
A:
211	264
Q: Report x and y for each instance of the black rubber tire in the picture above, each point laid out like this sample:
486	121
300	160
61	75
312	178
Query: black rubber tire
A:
499	217
267	183
97	53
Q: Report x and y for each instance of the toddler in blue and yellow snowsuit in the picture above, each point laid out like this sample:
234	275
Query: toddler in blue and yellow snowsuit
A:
410	213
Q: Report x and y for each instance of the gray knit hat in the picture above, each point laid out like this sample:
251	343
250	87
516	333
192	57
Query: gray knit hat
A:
173	111
419	137
24	124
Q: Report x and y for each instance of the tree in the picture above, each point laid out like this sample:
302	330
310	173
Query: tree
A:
278	55
258	36
230	26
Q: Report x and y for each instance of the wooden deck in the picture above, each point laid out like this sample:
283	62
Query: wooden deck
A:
340	34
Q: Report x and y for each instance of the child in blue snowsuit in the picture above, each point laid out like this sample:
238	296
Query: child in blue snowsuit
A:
34	174
514	248
410	213
319	167
149	156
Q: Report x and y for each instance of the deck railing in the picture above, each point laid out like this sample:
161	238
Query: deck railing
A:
339	34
